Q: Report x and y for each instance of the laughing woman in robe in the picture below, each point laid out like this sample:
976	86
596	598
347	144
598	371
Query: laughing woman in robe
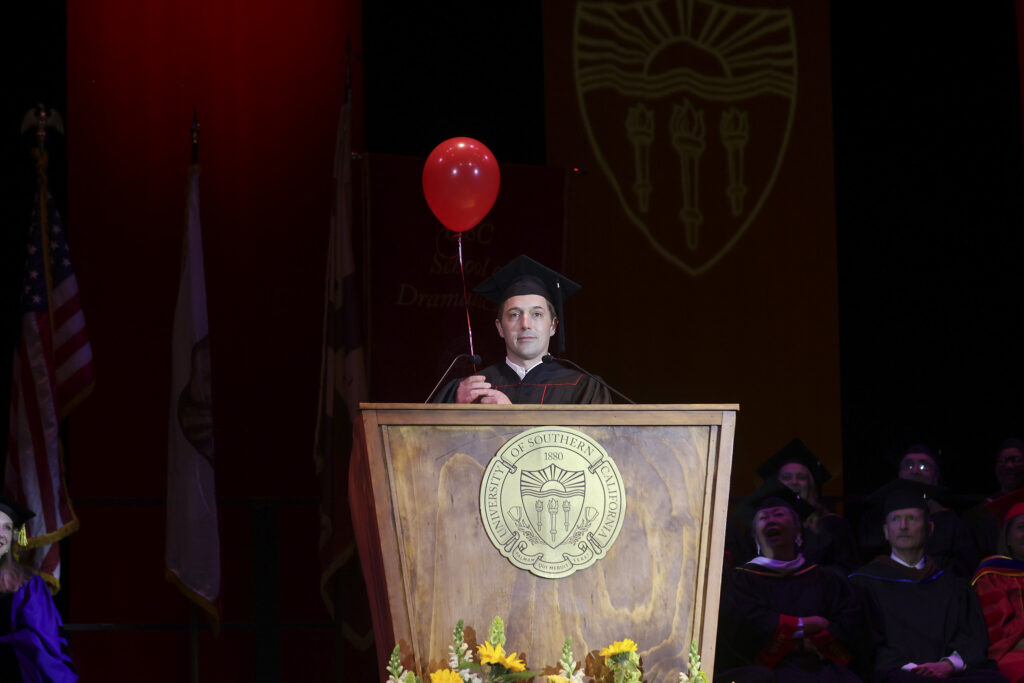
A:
795	622
32	649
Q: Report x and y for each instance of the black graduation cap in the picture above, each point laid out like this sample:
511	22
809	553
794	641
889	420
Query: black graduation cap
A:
1005	508
772	493
795	451
903	493
522	275
18	513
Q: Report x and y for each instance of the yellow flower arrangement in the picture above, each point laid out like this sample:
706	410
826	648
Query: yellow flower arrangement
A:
621	663
618	647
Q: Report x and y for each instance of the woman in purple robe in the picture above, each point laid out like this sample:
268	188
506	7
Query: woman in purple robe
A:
32	649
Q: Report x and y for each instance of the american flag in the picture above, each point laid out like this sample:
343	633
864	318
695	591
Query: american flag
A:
53	372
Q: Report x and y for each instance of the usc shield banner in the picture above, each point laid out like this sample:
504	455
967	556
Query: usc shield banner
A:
703	210
703	92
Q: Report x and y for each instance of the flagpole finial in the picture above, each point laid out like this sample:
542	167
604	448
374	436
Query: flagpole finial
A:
195	137
40	118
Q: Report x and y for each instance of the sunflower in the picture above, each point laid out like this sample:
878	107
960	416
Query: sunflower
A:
618	647
495	654
445	676
491	654
557	679
513	663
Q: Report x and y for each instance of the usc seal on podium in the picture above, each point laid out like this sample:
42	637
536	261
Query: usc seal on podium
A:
552	501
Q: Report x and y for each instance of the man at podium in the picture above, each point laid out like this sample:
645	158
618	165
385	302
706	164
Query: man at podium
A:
529	296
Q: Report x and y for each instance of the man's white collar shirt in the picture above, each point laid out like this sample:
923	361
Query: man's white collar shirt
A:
520	370
919	565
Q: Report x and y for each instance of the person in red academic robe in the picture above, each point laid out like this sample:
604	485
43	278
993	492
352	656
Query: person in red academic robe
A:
999	583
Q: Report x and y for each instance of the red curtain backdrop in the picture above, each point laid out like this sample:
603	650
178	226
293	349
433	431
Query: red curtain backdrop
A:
759	325
266	79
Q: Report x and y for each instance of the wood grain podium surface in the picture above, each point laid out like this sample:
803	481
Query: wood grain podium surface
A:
657	584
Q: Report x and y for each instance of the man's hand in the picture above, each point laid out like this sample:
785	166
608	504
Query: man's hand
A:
471	388
476	389
940	669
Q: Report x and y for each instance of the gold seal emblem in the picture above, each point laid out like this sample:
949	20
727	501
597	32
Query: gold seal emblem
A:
552	501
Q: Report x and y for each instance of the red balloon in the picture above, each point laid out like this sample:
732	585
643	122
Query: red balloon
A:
460	182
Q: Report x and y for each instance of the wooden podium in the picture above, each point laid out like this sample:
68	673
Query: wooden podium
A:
430	558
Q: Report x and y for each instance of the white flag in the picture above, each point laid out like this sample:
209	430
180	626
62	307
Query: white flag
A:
193	542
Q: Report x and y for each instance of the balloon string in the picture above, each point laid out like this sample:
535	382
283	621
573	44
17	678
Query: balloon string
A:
465	300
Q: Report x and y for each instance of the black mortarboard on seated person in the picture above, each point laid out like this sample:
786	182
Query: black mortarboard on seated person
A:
900	494
522	275
18	513
795	451
772	493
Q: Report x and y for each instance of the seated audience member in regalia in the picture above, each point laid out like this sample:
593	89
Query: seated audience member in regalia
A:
999	583
32	649
529	298
1009	473
829	540
924	621
784	617
951	545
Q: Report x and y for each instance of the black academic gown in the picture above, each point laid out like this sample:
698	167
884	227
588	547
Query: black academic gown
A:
545	383
921	615
761	613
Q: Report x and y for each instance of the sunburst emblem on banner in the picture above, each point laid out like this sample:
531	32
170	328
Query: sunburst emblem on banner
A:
688	106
